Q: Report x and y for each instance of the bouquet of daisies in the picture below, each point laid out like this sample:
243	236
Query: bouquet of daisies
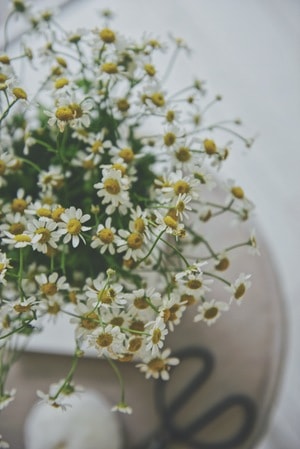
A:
106	181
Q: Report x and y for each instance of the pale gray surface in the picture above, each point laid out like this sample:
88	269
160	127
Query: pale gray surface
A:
249	52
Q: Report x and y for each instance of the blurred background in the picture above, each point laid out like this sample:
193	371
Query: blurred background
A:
249	53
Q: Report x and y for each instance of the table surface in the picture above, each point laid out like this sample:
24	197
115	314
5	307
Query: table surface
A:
249	53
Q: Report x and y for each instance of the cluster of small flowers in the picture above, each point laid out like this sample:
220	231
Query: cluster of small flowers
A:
98	219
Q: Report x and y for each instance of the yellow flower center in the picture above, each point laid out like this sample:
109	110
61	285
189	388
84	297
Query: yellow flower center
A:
119	167
19	308
88	164
240	291
123	105
106	296
156	336
169	139
135	344
135	240
158	99
183	154
112	186
170	116
140	303
22	238
61	82
110	68
4	59
194	284
18	205
97	146
137	326
76	109
53	309
2	266
107	35
61	61
2	167
210	146
117	321
211	313
223	264
64	113
43	212
181	187
75	38
45	234
150	69
3	78
104	340
56	213
126	154
19	93
49	288
90	321
106	235
180	206
139	225
156	365
189	300
238	192
171	222
74	226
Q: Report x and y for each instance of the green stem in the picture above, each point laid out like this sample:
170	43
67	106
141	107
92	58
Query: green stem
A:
119	377
176	251
68	377
215	276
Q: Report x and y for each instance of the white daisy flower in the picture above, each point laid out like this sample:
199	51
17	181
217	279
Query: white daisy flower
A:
158	366
52	284
106	238
18	240
210	311
133	244
71	225
108	341
114	190
239	288
104	294
53	178
45	230
122	407
157	333
4	265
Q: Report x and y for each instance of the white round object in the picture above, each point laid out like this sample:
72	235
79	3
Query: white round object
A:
88	423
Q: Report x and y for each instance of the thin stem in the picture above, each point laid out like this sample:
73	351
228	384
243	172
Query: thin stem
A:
176	251
215	276
119	377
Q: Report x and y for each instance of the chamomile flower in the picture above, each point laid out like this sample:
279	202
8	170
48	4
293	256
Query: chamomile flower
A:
159	365
177	184
72	227
122	407
48	236
113	189
210	311
157	331
53	178
106	238
18	240
239	288
4	266
108	341
105	295
132	243
52	284
171	310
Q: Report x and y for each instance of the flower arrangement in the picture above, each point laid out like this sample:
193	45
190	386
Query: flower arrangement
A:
106	182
